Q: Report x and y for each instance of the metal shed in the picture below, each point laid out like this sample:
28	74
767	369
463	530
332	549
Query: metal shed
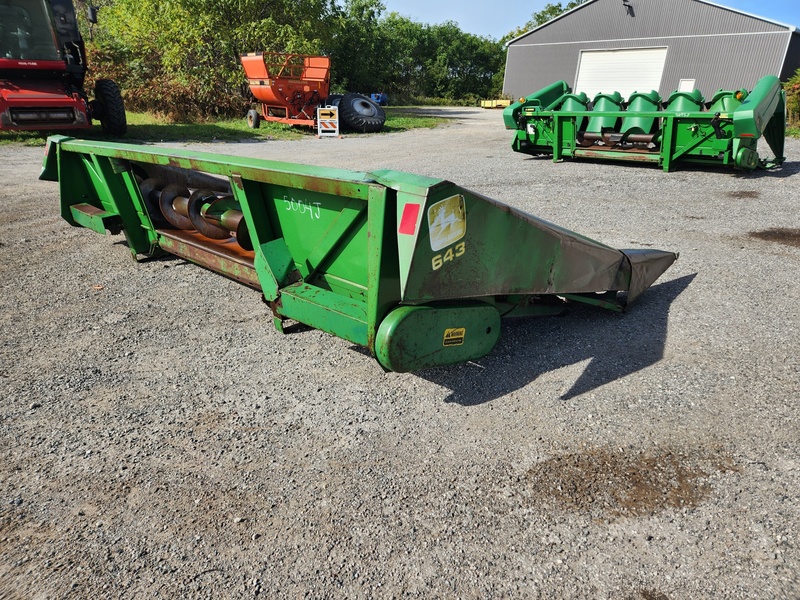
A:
639	45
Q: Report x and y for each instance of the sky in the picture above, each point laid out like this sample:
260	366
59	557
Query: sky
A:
495	19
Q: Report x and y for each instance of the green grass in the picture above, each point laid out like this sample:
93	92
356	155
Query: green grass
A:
793	132
403	119
145	127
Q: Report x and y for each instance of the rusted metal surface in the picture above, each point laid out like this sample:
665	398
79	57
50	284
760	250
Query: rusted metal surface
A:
171	196
195	210
226	258
629	155
616	138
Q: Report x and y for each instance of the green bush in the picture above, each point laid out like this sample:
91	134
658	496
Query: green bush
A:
181	58
792	88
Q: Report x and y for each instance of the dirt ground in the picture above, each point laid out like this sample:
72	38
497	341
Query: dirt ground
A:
159	438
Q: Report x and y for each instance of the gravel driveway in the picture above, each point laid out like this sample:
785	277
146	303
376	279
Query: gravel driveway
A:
160	439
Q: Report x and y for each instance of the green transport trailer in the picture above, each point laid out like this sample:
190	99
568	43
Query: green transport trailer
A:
642	128
418	270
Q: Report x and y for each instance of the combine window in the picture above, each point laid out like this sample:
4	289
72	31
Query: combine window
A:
26	32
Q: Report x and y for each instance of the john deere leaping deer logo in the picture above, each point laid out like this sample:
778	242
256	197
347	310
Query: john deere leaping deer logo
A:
447	222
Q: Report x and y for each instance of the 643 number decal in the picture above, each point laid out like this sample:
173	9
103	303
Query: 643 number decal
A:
449	255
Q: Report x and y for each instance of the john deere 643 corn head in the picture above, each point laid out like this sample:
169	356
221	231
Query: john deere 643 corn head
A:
418	270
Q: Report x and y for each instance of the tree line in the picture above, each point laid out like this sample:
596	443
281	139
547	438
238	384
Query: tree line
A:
181	57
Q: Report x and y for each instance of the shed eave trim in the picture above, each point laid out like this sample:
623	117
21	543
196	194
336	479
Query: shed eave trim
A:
747	14
644	39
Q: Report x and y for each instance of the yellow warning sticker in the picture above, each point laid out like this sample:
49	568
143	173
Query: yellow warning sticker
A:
447	221
454	336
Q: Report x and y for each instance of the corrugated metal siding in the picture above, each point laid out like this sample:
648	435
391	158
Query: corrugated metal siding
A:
717	47
608	20
529	70
707	60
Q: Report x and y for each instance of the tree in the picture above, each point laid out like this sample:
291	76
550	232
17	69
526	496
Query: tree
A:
357	48
407	51
463	64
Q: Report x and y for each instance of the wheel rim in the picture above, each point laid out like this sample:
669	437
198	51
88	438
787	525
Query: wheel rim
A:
364	108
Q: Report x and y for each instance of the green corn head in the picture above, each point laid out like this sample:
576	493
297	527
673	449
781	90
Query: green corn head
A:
685	128
418	270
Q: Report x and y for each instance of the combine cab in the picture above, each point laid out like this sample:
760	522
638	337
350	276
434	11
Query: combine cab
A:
683	129
42	71
418	270
289	88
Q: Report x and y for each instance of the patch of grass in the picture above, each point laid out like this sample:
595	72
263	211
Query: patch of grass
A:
149	128
400	119
26	138
793	131
144	127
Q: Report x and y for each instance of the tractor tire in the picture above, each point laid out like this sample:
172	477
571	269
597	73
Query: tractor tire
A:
253	119
112	110
333	100
359	113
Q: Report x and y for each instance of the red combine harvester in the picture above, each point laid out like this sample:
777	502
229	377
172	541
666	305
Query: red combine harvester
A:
289	88
42	71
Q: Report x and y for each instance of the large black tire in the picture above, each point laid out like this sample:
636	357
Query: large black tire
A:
111	108
359	113
333	100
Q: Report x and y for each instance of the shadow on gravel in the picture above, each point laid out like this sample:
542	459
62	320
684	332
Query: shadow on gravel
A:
787	169
615	346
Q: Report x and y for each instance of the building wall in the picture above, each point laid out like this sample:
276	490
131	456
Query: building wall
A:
716	46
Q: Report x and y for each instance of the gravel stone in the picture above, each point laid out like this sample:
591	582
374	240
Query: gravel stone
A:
651	455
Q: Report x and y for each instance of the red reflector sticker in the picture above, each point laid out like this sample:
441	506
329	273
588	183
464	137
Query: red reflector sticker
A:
746	135
408	222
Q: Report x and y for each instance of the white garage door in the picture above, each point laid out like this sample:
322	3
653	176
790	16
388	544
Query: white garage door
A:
623	71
